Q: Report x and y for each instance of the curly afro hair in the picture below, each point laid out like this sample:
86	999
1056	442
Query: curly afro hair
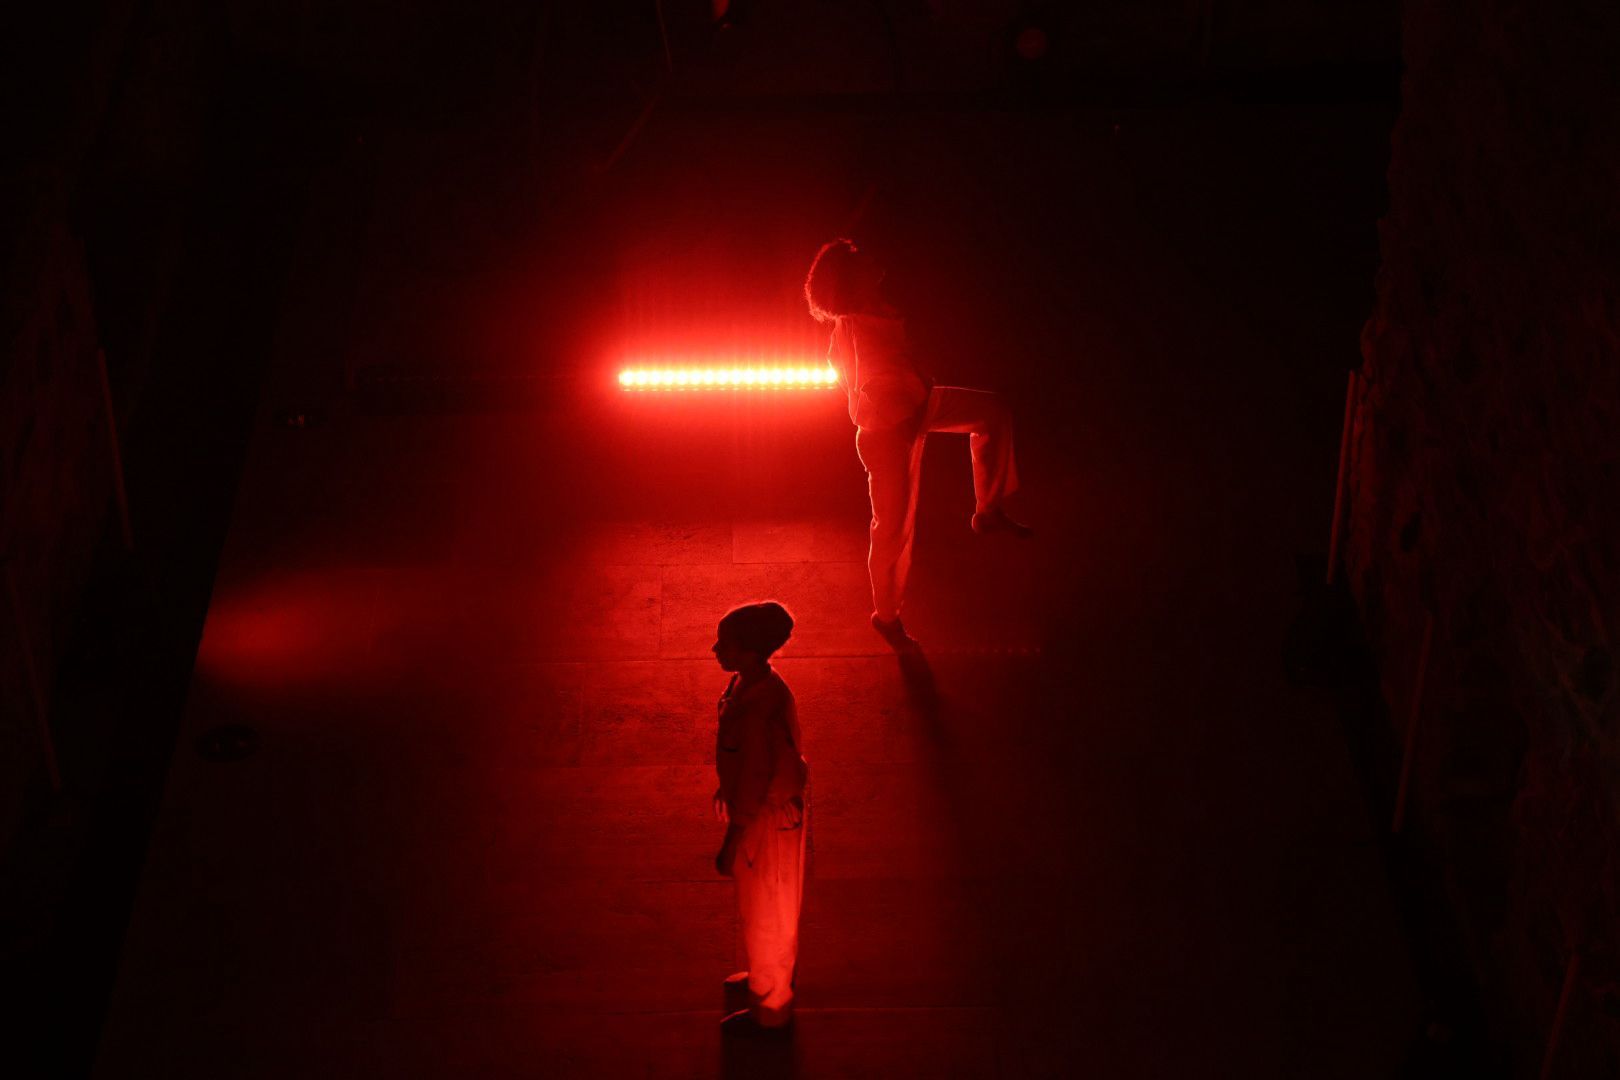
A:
828	286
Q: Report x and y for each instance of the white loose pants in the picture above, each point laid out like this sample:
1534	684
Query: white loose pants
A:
769	872
893	461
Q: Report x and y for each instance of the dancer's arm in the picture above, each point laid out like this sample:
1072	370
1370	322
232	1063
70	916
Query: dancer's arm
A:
786	791
753	776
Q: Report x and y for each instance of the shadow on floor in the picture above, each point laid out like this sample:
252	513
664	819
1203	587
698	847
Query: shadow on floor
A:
763	1058
922	692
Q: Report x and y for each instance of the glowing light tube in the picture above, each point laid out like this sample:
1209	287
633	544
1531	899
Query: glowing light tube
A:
811	376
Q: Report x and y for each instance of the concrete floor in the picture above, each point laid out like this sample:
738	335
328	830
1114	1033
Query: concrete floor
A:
1096	833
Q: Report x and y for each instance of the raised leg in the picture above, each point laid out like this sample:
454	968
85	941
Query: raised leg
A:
986	420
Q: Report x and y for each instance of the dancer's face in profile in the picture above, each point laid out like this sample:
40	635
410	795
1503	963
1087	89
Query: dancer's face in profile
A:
732	656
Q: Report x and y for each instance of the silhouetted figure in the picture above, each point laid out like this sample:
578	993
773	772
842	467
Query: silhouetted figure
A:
761	798
894	407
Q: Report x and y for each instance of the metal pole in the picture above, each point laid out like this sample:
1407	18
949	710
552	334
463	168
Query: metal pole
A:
1412	724
117	452
1344	467
36	689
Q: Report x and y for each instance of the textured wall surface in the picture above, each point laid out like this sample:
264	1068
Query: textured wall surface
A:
1486	465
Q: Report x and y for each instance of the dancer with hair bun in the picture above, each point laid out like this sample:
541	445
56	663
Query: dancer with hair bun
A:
761	799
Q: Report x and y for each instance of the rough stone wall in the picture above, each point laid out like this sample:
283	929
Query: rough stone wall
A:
1486	470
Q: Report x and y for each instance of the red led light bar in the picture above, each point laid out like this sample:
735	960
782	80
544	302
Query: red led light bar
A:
815	376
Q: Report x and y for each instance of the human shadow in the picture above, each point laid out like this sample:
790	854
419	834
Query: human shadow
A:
768	1057
917	675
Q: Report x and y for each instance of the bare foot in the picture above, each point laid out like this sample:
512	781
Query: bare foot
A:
996	520
894	632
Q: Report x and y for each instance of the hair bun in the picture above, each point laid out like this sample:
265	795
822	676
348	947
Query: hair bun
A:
762	627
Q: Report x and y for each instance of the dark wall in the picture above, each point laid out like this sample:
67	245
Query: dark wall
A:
844	47
57	469
1486	458
56	451
145	199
